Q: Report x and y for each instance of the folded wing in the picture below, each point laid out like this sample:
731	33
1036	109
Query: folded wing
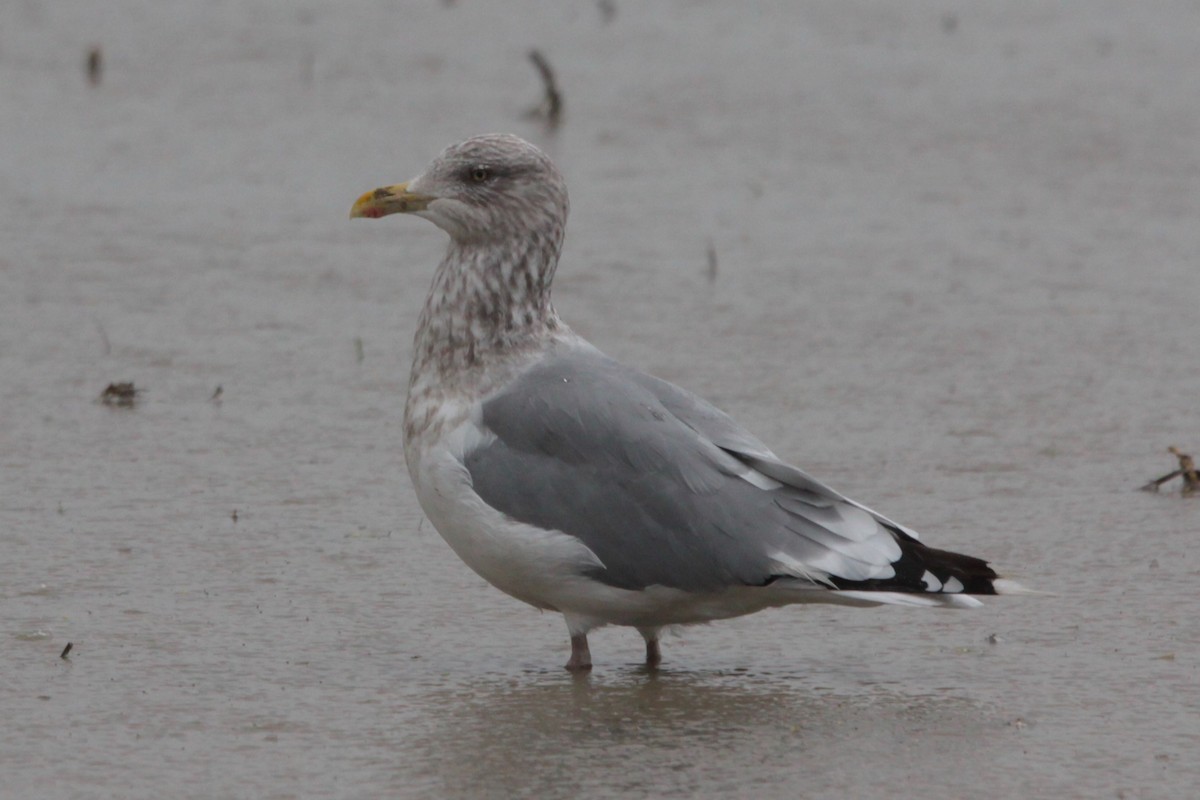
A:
667	490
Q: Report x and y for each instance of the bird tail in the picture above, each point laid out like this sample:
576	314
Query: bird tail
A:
926	576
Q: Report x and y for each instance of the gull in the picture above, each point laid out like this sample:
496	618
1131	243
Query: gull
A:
581	485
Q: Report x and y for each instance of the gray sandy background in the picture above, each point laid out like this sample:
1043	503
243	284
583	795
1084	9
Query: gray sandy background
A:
956	250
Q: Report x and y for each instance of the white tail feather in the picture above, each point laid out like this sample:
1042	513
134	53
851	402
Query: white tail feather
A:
932	600
1006	586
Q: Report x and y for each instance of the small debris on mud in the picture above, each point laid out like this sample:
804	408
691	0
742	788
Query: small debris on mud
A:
122	395
66	651
216	395
1187	472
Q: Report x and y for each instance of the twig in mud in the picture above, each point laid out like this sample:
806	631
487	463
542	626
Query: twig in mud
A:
94	65
1153	485
1187	471
1191	480
711	253
550	109
216	395
66	651
103	336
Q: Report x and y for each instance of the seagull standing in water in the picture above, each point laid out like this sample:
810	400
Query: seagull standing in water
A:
584	486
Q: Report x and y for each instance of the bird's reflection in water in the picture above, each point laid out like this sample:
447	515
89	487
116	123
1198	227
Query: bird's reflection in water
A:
549	734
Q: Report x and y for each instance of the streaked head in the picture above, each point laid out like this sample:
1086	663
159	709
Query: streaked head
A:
489	188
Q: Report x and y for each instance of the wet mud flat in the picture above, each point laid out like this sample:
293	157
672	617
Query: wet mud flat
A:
943	258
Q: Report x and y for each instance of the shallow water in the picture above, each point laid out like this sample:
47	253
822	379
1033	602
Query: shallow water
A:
955	277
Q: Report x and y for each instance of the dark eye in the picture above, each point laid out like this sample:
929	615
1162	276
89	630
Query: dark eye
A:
480	174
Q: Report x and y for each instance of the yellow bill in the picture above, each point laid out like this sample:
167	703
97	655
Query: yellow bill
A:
386	200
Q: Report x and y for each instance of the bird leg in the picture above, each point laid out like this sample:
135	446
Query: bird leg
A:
653	653
581	657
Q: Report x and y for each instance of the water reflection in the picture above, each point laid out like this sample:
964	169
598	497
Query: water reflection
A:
550	735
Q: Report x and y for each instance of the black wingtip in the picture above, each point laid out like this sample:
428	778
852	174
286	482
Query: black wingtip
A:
951	573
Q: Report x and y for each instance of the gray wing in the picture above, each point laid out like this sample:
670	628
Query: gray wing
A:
667	490
721	429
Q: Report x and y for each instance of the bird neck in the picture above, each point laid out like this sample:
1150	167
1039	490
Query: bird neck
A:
486	301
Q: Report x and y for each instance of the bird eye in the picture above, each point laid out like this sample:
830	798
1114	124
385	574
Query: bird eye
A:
480	174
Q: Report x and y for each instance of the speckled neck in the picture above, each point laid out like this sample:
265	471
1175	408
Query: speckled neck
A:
486	300
489	307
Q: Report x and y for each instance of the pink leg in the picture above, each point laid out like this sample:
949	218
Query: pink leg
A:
581	657
653	653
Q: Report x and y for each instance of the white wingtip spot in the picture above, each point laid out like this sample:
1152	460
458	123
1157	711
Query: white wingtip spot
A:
952	586
932	584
